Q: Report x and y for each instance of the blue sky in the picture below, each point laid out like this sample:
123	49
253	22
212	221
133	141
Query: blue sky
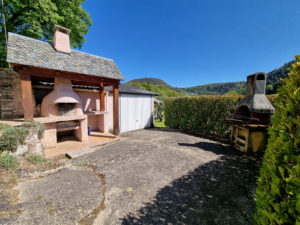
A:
194	42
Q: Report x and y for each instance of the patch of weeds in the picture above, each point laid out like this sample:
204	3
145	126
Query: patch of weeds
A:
8	161
81	164
42	176
13	178
160	124
51	210
36	159
40	196
4	126
4	215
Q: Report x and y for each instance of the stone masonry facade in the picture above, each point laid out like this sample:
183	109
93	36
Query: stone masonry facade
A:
10	94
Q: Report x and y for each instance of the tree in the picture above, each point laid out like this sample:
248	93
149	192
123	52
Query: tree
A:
278	186
36	19
269	88
231	93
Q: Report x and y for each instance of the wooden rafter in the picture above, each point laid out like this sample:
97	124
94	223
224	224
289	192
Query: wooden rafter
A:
48	73
116	108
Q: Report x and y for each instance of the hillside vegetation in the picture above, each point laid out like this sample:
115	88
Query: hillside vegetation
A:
228	88
156	85
217	89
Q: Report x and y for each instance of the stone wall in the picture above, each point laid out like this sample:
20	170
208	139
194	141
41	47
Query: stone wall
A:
10	94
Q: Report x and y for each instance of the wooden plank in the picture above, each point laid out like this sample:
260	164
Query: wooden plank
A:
102	97
27	96
116	108
48	73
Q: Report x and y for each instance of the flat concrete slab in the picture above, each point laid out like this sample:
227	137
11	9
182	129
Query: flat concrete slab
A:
155	176
60	198
161	176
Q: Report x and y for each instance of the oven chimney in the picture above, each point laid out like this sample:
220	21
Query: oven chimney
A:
61	39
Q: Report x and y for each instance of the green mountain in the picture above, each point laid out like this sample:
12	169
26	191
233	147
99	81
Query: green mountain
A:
163	89
217	88
166	90
273	82
151	81
275	76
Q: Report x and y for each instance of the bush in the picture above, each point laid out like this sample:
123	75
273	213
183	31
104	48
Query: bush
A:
38	128
8	161
159	112
202	114
11	137
278	186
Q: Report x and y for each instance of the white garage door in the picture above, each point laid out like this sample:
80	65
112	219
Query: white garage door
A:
135	112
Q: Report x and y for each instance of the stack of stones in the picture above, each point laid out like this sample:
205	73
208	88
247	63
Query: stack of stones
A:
10	94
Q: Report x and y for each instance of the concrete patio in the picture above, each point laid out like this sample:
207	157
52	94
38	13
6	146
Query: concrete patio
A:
155	176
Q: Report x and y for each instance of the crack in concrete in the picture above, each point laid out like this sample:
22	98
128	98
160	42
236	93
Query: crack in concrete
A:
89	218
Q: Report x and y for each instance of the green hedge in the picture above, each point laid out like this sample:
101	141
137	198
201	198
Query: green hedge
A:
278	186
202	114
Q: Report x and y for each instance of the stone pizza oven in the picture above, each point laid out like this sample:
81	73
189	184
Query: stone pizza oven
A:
251	116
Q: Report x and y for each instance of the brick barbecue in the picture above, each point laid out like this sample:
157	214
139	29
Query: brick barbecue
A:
251	117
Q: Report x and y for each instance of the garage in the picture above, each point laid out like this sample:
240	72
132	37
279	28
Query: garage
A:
136	108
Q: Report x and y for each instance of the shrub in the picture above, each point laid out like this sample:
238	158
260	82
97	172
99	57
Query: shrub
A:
39	128
11	137
278	186
8	161
203	114
159	112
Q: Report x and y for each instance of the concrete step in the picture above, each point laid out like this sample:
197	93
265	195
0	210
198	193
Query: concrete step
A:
83	151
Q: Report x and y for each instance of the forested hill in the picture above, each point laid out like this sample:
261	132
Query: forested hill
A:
217	89
275	76
273	82
163	89
166	90
151	81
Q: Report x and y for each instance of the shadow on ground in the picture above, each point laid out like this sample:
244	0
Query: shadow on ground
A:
218	192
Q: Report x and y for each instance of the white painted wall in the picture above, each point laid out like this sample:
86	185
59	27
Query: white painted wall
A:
135	111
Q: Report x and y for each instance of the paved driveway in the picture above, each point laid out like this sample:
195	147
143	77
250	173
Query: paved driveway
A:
154	176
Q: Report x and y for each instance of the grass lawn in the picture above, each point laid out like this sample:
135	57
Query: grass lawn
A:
159	124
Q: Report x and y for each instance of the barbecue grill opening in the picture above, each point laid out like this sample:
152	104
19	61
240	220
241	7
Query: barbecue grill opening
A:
243	111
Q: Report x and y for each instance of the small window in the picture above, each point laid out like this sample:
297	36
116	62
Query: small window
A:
260	77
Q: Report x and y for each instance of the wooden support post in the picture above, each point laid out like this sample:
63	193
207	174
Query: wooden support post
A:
116	108
26	96
102	97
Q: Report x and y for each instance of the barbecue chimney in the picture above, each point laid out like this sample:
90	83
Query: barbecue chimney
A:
251	117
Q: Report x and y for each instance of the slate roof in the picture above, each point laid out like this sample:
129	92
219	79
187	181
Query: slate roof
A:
31	52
